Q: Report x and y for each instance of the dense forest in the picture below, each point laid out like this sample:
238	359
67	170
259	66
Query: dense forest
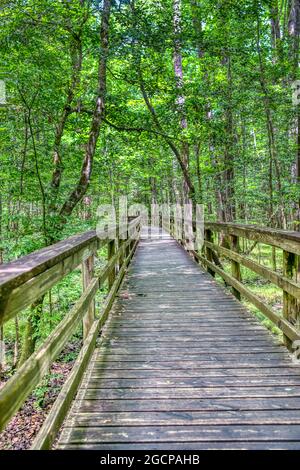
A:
162	101
105	99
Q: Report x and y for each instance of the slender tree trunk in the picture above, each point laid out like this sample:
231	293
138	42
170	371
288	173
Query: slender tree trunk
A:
76	58
24	152
97	119
180	100
275	30
230	209
294	32
271	133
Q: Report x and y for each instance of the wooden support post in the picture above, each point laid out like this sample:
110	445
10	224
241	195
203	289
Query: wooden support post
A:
235	265
208	235
120	246
127	251
291	306
87	276
171	227
110	254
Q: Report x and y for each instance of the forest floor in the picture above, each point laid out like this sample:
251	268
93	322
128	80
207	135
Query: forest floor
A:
24	426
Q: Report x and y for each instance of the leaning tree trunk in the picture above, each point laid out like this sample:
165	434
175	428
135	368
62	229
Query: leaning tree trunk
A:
32	326
180	100
97	119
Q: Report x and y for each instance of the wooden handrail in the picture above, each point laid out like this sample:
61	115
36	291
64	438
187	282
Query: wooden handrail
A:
287	241
25	268
23	281
80	248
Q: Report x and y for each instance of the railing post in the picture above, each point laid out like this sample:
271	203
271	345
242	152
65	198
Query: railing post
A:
172	227
122	255
208	236
111	250
235	266
87	276
290	304
129	237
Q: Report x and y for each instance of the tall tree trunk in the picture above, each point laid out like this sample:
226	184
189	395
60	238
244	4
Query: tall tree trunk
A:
97	119
197	24
32	325
230	209
275	30
273	158
180	100
76	58
294	31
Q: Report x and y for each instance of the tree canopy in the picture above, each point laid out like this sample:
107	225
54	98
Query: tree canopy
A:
159	100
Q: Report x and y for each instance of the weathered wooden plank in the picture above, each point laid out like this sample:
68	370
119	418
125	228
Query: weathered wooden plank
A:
206	335
175	315
186	324
207	349
190	392
191	446
178	382
263	357
246	341
251	373
193	365
191	404
180	418
212	327
93	434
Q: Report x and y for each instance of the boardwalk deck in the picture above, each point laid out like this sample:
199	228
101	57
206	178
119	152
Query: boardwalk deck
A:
182	365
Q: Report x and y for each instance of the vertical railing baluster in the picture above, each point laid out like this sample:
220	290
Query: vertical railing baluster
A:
291	309
235	266
87	276
111	250
208	236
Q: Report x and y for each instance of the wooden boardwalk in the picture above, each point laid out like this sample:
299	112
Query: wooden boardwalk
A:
182	365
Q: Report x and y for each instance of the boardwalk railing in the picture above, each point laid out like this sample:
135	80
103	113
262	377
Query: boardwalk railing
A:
287	241
25	280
